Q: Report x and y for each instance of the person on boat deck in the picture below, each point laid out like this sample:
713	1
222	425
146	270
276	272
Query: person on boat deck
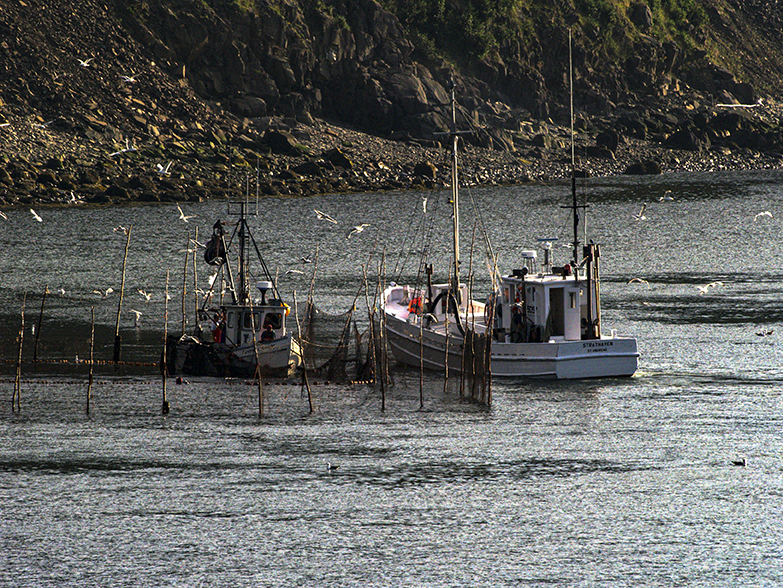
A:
516	324
214	326
268	334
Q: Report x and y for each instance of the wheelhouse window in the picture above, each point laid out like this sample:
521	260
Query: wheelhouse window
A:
275	319
250	318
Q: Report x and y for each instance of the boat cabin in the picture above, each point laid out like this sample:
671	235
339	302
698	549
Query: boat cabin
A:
552	304
239	321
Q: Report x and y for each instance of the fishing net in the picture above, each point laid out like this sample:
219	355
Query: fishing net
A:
333	347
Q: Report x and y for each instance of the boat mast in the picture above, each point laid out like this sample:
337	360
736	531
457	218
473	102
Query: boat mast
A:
242	265
573	154
455	185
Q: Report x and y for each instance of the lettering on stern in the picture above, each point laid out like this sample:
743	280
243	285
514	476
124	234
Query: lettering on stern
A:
597	346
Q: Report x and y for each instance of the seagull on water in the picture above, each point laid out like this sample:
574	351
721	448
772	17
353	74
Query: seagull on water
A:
765	333
324	216
36	216
739	462
640	281
667	197
706	287
356	230
182	216
759	215
640	215
331	466
104	294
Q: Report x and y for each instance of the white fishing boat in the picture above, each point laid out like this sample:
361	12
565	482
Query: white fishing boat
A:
237	333
543	321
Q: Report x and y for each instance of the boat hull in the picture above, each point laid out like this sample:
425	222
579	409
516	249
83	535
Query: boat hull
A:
188	355
607	357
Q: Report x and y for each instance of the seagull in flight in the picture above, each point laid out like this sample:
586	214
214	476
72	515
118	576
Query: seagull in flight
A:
293	271
759	215
164	170
121	229
144	295
706	287
640	215
36	216
667	197
182	215
136	316
128	147
104	294
356	230
130	79
3	215
85	62
307	259
324	216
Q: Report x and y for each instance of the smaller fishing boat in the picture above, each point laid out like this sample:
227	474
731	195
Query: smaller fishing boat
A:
236	333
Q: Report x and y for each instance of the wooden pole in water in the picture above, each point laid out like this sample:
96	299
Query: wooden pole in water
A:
117	338
195	278
257	374
305	383
374	339
18	381
40	320
185	281
92	360
383	363
164	368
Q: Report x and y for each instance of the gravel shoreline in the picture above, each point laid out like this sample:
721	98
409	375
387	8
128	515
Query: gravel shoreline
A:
56	163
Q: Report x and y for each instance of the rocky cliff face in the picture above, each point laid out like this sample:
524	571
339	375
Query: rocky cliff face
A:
351	61
97	95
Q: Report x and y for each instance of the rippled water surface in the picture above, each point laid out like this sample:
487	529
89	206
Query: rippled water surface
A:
598	483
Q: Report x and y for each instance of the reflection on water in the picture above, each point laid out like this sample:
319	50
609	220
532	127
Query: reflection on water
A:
599	483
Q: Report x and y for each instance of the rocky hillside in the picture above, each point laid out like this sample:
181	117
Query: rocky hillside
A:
184	99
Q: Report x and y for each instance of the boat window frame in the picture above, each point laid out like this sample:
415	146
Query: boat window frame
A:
275	318
247	319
